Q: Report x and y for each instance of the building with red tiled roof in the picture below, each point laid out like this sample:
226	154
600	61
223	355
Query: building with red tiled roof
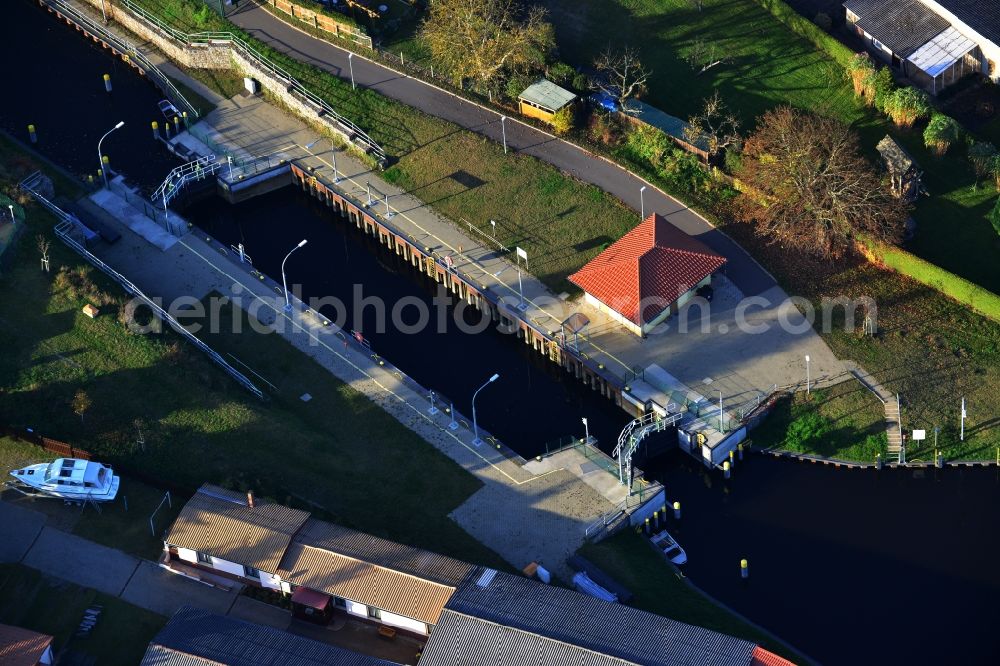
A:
21	647
647	274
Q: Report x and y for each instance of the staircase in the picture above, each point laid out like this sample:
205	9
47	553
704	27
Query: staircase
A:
890	402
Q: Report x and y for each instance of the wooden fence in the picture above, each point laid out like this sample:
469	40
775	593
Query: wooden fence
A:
61	449
323	22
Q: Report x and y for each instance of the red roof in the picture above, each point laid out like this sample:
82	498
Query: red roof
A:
311	598
762	657
21	647
653	265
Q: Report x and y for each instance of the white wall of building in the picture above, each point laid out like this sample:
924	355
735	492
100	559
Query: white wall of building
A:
227	566
354	608
617	316
270	581
187	555
404	623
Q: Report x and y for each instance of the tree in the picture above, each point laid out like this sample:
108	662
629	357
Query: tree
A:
994	216
703	56
982	154
43	247
860	69
941	132
80	403
807	186
714	126
622	75
479	39
908	105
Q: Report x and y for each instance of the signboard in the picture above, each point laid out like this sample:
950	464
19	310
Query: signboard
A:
521	254
919	435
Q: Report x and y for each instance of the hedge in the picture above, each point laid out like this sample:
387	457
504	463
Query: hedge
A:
808	30
981	300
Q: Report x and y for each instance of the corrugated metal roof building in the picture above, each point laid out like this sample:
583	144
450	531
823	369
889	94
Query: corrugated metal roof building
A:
566	617
23	647
220	523
195	637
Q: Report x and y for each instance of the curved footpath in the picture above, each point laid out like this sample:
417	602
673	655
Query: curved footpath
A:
746	273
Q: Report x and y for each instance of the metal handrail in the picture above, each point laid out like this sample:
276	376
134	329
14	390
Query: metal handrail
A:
151	70
247	51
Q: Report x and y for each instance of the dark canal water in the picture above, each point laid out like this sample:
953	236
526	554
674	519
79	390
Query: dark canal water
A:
852	567
53	79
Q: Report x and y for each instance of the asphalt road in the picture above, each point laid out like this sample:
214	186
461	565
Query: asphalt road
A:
741	268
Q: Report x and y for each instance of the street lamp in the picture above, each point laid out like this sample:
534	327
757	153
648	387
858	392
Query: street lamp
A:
807	374
13	219
586	430
475	424
503	129
642	202
284	282
350	63
100	159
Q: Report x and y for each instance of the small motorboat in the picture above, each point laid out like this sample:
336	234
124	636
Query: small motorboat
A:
168	110
71	479
669	547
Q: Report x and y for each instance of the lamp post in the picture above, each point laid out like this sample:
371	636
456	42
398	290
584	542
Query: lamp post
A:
284	282
475	424
807	374
503	130
13	219
586	430
642	202
100	159
350	63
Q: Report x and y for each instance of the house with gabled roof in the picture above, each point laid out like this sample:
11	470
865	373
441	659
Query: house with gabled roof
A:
647	274
934	43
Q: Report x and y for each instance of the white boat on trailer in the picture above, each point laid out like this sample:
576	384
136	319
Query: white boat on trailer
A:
70	479
667	545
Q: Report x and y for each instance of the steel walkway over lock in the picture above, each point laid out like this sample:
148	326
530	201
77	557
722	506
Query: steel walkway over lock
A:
198	169
634	433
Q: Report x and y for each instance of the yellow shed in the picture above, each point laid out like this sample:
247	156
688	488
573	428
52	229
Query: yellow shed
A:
543	99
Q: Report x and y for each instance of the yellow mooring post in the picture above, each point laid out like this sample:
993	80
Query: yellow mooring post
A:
107	82
105	160
744	569
177	124
156	129
31	134
184	115
726	473
677	510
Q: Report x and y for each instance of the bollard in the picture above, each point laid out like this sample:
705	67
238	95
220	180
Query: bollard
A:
177	124
107	82
100	173
739	448
939	460
732	459
31	134
744	569
725	470
184	116
166	129
878	462
656	520
677	510
156	130
90	179
647	526
105	160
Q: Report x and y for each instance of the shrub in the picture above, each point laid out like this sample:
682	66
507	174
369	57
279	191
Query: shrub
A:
648	144
603	128
823	21
733	160
860	69
994	217
804	432
581	83
883	88
982	154
562	120
517	83
941	132
684	170
908	105
561	74
993	169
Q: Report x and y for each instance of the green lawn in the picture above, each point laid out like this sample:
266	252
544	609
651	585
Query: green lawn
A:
845	421
340	451
928	348
51	606
658	588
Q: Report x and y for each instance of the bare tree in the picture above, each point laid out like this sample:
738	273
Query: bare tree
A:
80	403
716	126
807	186
43	247
622	75
703	56
479	39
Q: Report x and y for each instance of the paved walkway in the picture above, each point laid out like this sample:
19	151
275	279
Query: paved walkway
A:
26	538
